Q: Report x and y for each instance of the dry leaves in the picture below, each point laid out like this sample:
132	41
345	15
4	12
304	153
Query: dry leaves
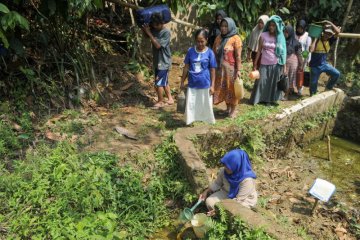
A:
341	232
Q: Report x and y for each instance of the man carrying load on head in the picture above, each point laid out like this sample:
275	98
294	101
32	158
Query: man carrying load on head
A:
318	64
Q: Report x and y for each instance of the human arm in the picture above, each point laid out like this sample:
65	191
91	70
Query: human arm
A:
215	186
258	52
248	55
184	75
147	31
213	66
212	77
237	52
313	45
299	57
336	29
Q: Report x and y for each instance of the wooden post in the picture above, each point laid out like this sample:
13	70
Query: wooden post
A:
315	204
329	147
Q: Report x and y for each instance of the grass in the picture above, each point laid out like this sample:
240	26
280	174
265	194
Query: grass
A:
263	201
94	195
226	227
256	112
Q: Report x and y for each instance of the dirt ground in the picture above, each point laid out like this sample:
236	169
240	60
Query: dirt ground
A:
128	124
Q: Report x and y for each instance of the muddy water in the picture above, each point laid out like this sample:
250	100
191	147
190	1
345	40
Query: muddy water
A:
343	170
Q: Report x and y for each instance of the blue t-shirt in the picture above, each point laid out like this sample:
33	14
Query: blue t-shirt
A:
199	67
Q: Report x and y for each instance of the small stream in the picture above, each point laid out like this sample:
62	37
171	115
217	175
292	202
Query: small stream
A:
343	170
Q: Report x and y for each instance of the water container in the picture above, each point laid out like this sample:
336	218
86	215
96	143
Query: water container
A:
144	15
181	102
299	78
199	224
254	75
315	30
239	88
306	79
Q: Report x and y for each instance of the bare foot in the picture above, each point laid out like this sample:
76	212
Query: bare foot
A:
158	105
233	114
170	102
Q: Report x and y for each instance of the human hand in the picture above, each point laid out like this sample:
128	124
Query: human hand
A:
146	28
210	213
212	90
182	87
203	195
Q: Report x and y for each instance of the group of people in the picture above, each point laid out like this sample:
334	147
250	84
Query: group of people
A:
214	63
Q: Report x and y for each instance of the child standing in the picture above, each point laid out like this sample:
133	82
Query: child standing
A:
160	39
200	65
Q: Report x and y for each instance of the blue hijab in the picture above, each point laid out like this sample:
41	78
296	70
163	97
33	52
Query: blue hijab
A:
239	163
280	49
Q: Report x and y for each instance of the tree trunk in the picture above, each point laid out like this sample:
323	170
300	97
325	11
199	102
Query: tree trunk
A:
342	29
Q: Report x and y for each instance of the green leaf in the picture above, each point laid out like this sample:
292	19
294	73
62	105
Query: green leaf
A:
22	22
240	5
17	46
98	4
4	8
4	39
52	7
24	136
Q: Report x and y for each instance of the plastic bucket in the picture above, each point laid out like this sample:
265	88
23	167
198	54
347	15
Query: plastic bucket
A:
306	79
315	30
254	75
299	78
181	102
199	224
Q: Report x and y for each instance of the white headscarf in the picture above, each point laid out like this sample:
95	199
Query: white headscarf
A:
255	34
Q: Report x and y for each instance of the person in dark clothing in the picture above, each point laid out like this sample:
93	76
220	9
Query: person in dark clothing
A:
215	27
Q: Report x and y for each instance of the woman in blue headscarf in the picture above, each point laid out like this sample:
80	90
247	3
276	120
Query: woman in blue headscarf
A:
236	180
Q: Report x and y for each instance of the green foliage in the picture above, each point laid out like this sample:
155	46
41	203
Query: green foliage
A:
9	21
319	119
9	142
255	113
248	138
225	227
60	193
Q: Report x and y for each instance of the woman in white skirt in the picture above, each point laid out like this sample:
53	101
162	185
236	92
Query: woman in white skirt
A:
200	65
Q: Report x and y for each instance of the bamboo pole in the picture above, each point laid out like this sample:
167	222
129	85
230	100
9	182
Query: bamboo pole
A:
173	18
329	148
349	35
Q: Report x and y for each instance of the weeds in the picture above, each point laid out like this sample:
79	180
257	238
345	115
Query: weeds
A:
249	138
60	193
255	113
227	227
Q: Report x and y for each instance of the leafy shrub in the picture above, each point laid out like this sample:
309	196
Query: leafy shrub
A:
60	193
228	227
9	142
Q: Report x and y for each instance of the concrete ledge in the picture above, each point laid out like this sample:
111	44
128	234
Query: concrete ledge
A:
194	167
314	104
257	220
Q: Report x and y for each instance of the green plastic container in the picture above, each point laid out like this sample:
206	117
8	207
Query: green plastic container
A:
315	30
